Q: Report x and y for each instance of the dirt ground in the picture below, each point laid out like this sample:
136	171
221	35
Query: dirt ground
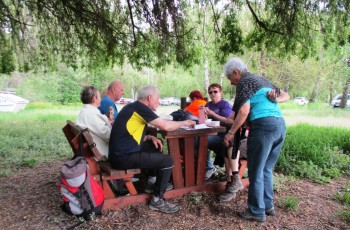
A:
30	199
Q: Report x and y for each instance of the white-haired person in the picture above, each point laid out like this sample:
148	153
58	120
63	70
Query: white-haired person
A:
257	102
220	110
126	148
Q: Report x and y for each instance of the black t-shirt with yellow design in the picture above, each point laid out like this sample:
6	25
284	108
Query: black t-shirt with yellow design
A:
128	130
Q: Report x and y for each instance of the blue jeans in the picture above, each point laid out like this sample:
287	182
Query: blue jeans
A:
265	141
214	143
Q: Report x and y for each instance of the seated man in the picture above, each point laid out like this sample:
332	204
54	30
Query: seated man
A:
128	135
114	92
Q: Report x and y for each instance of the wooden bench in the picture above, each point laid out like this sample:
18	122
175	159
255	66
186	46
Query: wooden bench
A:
98	164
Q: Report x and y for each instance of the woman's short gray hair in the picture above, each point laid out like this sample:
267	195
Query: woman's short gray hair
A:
235	64
144	91
87	94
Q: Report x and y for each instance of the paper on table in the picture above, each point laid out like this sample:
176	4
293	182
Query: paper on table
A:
200	126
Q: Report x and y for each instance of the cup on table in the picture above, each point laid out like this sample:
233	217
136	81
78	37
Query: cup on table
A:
215	123
208	122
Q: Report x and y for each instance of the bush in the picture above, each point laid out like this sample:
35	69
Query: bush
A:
317	153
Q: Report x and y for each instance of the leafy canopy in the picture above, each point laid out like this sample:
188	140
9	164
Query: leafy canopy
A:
155	33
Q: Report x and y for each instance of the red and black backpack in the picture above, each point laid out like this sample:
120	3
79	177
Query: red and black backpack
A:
81	194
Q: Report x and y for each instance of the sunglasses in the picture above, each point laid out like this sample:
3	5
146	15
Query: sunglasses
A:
211	92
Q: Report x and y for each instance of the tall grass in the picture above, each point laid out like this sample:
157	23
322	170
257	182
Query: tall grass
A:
34	135
318	153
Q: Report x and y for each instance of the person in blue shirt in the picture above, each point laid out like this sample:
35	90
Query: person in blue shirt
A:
257	103
114	92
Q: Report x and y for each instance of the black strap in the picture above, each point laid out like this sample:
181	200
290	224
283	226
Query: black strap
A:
239	135
80	150
87	196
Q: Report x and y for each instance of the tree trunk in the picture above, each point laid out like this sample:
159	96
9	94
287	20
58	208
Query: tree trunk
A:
315	90
344	98
206	74
330	93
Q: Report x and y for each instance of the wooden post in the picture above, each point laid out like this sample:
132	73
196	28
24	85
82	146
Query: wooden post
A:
183	103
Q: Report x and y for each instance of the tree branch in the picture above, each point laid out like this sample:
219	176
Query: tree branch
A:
132	22
260	23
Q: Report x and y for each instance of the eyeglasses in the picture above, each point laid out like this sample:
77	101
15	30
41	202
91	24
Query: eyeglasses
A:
211	92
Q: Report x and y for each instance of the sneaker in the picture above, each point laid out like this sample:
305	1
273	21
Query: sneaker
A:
237	183
163	206
247	216
150	187
209	173
270	212
228	194
119	188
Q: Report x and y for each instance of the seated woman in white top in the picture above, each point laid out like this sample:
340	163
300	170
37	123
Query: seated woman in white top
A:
90	117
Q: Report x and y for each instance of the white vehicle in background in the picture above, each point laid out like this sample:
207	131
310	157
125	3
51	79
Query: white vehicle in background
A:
124	101
170	101
174	101
337	99
301	100
164	101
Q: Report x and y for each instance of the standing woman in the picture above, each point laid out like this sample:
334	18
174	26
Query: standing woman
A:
257	99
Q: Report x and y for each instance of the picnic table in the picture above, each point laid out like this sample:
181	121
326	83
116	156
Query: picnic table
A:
189	170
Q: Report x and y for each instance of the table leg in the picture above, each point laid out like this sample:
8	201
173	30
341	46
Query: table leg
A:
189	162
174	151
202	159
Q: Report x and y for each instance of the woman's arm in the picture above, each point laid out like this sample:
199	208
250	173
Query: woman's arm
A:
280	97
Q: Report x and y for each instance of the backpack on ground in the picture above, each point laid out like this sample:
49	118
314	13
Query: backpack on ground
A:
81	194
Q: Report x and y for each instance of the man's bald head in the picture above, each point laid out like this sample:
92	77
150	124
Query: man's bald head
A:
115	90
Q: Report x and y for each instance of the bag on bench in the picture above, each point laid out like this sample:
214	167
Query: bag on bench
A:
81	194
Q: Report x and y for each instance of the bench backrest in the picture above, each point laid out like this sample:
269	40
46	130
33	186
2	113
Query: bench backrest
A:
73	133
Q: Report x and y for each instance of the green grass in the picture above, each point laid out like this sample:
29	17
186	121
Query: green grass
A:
317	153
35	135
344	195
281	181
317	109
289	203
344	214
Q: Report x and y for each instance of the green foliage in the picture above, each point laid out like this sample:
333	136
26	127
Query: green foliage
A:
281	181
318	153
195	198
7	62
231	38
344	195
289	203
345	214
